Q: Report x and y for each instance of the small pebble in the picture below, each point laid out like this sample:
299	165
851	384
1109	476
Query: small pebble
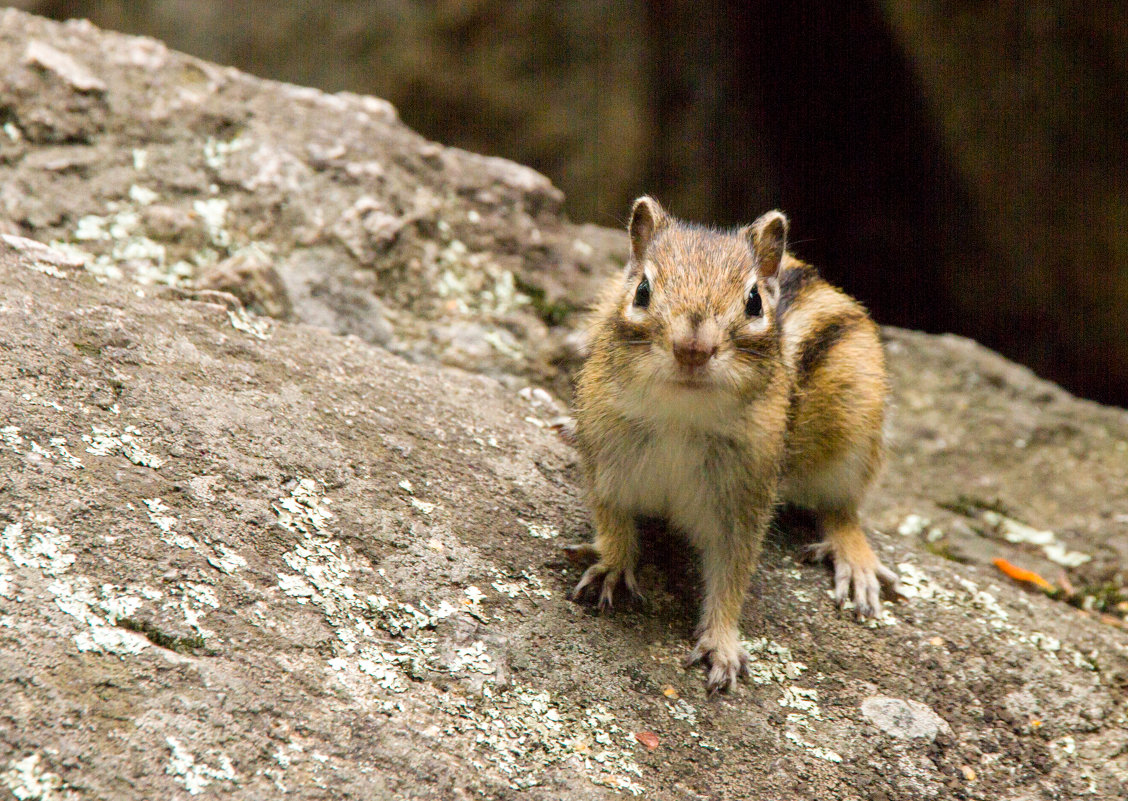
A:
903	719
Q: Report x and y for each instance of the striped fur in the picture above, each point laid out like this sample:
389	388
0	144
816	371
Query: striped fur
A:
787	405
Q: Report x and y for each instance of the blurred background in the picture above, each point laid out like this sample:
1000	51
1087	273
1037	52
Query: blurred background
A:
959	165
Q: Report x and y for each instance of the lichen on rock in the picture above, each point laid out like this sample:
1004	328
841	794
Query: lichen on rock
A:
256	558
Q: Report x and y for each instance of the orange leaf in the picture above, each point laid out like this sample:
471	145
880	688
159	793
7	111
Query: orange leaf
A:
1022	574
647	738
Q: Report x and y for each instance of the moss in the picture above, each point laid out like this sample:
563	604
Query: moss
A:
943	549
182	645
971	506
552	312
1106	597
87	348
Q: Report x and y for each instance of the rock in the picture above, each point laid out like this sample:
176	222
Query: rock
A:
43	55
167	166
903	719
250	276
240	554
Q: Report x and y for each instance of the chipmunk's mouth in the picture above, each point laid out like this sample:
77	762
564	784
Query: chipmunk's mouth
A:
690	377
692	382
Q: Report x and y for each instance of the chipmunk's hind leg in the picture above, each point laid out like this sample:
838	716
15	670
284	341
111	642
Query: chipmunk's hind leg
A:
858	573
616	543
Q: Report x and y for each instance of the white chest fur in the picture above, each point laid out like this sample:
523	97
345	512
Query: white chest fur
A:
664	475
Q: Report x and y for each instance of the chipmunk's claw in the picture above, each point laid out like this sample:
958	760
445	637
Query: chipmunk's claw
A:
607	578
725	661
860	576
565	429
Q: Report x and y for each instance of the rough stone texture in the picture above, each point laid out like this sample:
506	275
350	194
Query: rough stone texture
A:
558	86
903	719
240	556
161	166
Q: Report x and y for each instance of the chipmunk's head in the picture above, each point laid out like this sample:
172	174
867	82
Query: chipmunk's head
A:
698	310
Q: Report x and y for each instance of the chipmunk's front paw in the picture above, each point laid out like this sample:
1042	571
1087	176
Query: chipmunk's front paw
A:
724	657
607	578
857	573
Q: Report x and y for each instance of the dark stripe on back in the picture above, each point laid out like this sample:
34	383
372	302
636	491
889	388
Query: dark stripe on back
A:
814	349
791	285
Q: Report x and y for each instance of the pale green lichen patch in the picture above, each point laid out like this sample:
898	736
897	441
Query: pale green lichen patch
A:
166	524
56	449
110	640
521	732
43	550
193	601
42	259
249	323
539	530
119	237
474	284
141	195
815	750
28	781
105	613
195	776
60	444
129	443
11	437
213	213
226	560
803	699
305	510
772	663
217	151
117	244
916	583
528	586
222	557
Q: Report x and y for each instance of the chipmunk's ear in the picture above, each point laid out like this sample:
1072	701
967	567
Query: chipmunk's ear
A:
646	217
767	238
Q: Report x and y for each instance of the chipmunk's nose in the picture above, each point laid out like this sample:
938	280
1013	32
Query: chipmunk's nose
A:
694	353
694	346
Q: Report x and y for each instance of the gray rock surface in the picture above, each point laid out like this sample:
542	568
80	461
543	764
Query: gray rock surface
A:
158	166
903	719
248	558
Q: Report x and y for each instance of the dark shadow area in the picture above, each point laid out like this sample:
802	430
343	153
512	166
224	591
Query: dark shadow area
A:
956	166
811	107
816	109
861	172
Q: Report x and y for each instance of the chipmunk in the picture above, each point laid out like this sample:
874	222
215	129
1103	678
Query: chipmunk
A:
723	377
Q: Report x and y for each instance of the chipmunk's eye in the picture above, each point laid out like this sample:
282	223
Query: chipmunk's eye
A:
642	294
754	306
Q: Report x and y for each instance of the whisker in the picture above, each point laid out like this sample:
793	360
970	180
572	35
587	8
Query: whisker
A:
761	354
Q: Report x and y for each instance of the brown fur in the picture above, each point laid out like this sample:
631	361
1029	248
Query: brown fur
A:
689	409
